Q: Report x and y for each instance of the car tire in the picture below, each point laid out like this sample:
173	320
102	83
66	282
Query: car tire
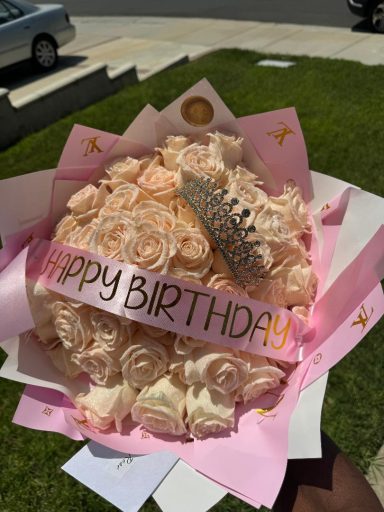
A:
376	17
44	53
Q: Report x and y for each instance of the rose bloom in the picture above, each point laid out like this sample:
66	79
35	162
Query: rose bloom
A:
151	250
97	363
261	377
144	361
158	182
217	367
41	301
124	198
180	273
272	225
111	234
64	229
193	251
269	291
154	216
122	170
182	211
209	412
173	146
86	203
242	174
293	209
106	405
109	331
250	197
72	324
300	283
229	146
196	161
160	407
185	344
81	237
302	313
62	360
225	284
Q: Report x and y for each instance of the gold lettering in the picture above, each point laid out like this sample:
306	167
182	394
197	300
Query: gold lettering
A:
145	435
281	133
91	146
362	318
267	329
284	330
325	207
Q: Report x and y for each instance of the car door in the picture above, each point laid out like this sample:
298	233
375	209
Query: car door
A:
15	34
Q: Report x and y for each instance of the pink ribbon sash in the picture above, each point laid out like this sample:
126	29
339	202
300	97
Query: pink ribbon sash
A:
167	302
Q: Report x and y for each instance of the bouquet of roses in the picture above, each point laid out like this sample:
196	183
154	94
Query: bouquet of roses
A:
194	263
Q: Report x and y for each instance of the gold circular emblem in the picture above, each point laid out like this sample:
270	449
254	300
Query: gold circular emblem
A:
197	111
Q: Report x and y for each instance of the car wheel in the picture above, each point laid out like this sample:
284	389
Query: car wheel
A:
44	53
377	17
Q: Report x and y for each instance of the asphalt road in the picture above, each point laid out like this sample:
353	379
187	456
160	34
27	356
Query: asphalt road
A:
312	12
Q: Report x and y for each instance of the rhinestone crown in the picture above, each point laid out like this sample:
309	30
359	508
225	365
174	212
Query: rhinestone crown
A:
226	228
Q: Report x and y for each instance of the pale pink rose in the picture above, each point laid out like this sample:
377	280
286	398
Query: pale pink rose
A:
269	291
193	252
41	301
152	331
111	234
105	406
217	367
176	365
196	161
155	215
302	313
261	377
97	363
182	211
86	203
159	183
122	170
144	361
291	254
209	412
81	237
72	324
160	407
226	284
180	273
151	250
242	174
272	225
293	208
173	146
123	198
109	331
229	146
250	197
62	360
300	283
64	229
185	344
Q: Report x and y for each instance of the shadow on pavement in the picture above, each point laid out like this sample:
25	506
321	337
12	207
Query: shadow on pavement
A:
363	26
25	73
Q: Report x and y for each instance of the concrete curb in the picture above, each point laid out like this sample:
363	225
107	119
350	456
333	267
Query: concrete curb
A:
72	93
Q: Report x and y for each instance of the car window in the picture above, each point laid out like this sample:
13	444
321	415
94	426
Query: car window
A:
15	11
9	12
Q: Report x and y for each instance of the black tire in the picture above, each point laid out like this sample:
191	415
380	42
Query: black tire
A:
376	16
44	53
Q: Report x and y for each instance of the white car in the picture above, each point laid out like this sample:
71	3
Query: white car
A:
29	31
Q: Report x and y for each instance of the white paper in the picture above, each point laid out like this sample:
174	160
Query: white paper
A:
124	480
186	490
304	441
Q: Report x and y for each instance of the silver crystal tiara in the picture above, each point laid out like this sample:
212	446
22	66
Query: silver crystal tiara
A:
226	228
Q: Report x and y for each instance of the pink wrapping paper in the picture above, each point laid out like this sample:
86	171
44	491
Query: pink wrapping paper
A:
275	148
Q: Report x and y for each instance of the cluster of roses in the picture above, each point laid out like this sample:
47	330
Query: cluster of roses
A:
163	380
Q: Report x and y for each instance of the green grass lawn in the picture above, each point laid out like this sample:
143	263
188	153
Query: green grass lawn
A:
339	104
